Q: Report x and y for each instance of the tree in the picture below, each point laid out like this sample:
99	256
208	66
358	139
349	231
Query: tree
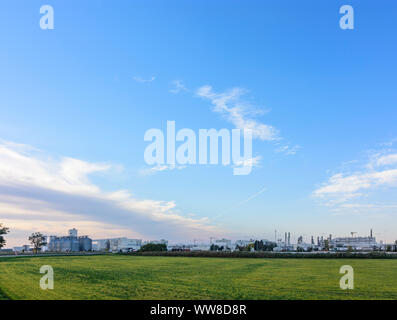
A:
151	247
264	246
38	240
243	248
3	230
326	245
259	245
214	247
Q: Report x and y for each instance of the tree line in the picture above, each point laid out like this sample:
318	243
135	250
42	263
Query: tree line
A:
37	239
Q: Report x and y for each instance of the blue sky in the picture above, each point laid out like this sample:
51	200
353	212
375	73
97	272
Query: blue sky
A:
76	102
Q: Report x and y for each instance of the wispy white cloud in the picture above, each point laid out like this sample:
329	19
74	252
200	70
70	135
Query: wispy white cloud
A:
178	86
238	112
44	192
343	188
160	168
389	143
143	80
288	150
251	162
386	160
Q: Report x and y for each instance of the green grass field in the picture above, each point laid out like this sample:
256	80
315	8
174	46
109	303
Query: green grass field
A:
133	277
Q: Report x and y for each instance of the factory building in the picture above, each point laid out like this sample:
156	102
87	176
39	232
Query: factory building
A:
70	243
284	246
85	243
355	243
24	248
189	247
117	244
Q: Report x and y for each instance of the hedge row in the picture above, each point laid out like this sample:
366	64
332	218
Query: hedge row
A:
243	254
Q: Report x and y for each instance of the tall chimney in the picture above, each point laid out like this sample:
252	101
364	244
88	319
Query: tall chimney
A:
289	238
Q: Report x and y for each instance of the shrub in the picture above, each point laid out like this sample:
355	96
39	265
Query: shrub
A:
153	247
266	254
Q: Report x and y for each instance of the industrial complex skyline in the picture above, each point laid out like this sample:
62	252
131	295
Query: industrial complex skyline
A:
73	242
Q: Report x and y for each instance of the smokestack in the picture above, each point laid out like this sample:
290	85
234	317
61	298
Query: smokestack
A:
330	237
285	241
371	233
289	238
312	240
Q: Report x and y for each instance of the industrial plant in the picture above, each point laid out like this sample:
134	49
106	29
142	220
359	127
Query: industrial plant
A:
74	243
70	243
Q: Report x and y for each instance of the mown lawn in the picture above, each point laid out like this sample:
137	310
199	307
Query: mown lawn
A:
133	277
